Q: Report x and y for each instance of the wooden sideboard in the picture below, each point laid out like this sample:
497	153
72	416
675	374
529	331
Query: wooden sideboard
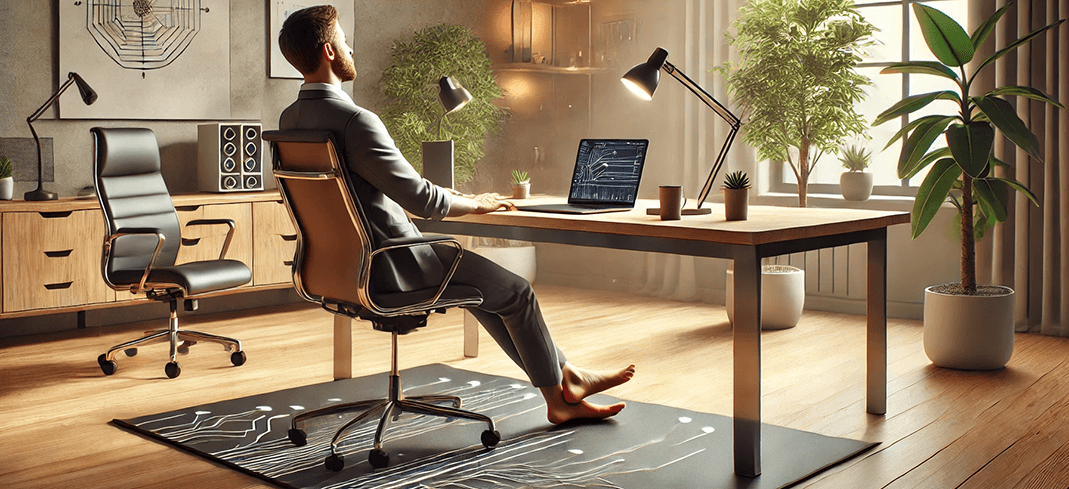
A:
50	252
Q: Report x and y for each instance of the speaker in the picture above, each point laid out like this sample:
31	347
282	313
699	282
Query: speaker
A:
230	157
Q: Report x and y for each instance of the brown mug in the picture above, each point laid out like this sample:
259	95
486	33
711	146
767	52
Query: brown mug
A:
672	202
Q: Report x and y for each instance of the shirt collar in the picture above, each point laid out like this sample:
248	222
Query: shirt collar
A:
330	87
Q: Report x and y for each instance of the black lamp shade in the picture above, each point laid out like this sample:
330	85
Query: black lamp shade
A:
88	95
643	78
451	95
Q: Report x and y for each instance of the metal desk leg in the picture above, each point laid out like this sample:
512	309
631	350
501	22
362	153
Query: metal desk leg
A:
471	335
343	347
747	364
876	351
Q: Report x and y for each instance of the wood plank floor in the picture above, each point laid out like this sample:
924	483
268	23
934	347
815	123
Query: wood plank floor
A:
943	428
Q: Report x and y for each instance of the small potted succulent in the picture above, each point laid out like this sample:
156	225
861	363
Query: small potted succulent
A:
7	181
856	183
521	185
736	196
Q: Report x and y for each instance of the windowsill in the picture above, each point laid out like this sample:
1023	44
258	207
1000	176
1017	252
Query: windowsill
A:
876	202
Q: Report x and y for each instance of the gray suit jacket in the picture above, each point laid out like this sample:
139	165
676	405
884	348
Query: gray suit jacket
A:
384	183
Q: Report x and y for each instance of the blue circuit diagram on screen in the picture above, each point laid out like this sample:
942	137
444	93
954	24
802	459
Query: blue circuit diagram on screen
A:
608	171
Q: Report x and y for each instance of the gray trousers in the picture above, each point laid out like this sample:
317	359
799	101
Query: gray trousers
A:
511	316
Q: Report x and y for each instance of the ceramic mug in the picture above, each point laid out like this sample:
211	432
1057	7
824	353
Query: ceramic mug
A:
672	202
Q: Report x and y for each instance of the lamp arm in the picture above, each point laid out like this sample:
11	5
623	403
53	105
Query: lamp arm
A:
51	101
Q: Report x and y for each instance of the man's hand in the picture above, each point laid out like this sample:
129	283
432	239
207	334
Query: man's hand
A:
478	204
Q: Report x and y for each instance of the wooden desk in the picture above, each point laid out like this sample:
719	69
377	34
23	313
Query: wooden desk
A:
769	231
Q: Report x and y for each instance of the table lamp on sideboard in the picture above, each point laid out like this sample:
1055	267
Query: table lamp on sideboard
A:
88	96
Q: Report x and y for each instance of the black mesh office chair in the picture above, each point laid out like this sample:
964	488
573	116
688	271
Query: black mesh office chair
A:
142	240
332	267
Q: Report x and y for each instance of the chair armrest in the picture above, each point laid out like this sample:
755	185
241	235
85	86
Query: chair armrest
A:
229	233
160	240
411	242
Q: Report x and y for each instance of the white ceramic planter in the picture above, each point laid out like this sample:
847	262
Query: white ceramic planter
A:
968	332
516	259
782	296
856	185
7	188
521	190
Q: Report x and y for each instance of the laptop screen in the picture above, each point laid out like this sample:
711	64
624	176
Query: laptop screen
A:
607	171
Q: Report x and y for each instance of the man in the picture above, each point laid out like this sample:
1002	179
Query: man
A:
386	185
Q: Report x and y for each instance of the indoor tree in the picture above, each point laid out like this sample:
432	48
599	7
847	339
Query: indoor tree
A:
796	79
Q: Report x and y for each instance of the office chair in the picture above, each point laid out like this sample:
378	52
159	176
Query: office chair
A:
142	239
332	267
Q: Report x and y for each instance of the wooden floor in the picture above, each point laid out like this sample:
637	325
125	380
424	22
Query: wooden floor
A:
943	428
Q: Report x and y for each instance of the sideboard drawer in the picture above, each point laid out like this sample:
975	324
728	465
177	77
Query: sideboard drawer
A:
274	244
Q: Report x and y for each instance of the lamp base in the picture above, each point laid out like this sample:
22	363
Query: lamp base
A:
40	194
701	211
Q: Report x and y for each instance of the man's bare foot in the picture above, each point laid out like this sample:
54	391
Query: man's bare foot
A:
558	410
580	383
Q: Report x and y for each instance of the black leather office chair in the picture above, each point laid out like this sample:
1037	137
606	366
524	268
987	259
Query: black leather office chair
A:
142	240
332	267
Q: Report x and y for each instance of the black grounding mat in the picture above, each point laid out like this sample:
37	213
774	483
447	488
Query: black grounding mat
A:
645	446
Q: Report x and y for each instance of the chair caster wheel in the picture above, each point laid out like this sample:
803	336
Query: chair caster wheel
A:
238	358
173	369
107	366
298	437
490	438
334	462
378	458
130	352
183	348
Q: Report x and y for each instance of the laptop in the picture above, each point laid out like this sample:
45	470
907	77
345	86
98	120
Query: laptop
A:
605	178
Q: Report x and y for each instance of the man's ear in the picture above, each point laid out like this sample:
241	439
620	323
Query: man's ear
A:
328	51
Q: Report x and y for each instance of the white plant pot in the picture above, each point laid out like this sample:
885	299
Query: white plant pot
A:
7	188
968	332
782	296
856	185
516	259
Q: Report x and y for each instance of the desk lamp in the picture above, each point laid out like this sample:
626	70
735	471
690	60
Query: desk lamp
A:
88	96
643	79
438	155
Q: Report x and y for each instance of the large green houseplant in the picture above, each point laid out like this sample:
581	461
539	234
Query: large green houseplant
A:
410	88
963	173
796	79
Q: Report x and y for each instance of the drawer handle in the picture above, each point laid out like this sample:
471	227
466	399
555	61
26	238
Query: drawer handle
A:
62	285
289	237
186	208
190	241
288	263
58	254
56	215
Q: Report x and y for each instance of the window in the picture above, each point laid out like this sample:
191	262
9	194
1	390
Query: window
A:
898	39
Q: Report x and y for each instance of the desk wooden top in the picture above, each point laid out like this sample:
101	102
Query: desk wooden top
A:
90	202
765	224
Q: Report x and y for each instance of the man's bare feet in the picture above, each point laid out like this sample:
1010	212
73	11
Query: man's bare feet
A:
580	383
559	411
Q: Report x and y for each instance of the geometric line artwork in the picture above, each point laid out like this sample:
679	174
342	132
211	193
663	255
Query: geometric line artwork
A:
645	446
143	34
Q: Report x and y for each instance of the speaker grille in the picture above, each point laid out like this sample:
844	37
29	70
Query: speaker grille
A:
230	157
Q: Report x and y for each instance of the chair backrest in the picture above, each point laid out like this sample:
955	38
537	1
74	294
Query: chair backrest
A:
333	243
132	194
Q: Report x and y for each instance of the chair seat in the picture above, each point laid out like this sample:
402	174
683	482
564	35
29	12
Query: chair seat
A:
195	278
453	296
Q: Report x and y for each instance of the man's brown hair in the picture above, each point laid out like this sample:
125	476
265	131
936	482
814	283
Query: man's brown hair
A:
304	32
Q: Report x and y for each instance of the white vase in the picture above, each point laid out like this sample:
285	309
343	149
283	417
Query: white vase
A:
782	296
968	332
856	185
7	188
516	259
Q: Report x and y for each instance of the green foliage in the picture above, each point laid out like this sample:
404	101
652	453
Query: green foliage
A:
963	170
796	78
856	157
6	168
410	87
736	180
519	176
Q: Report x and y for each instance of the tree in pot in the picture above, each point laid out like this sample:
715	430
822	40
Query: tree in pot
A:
856	183
965	326
796	79
412	113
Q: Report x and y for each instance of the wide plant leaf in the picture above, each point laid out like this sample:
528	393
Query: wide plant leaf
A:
917	144
991	195
932	193
971	146
1002	52
1026	92
987	27
1018	186
914	103
1002	114
946	39
922	68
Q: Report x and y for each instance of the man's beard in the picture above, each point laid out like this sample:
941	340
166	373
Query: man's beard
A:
344	68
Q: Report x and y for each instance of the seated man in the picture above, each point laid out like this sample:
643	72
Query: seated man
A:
386	185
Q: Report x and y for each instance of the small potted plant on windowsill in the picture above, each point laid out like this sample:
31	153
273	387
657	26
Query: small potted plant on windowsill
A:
521	185
856	183
736	196
7	181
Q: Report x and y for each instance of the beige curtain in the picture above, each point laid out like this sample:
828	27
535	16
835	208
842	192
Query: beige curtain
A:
1030	252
